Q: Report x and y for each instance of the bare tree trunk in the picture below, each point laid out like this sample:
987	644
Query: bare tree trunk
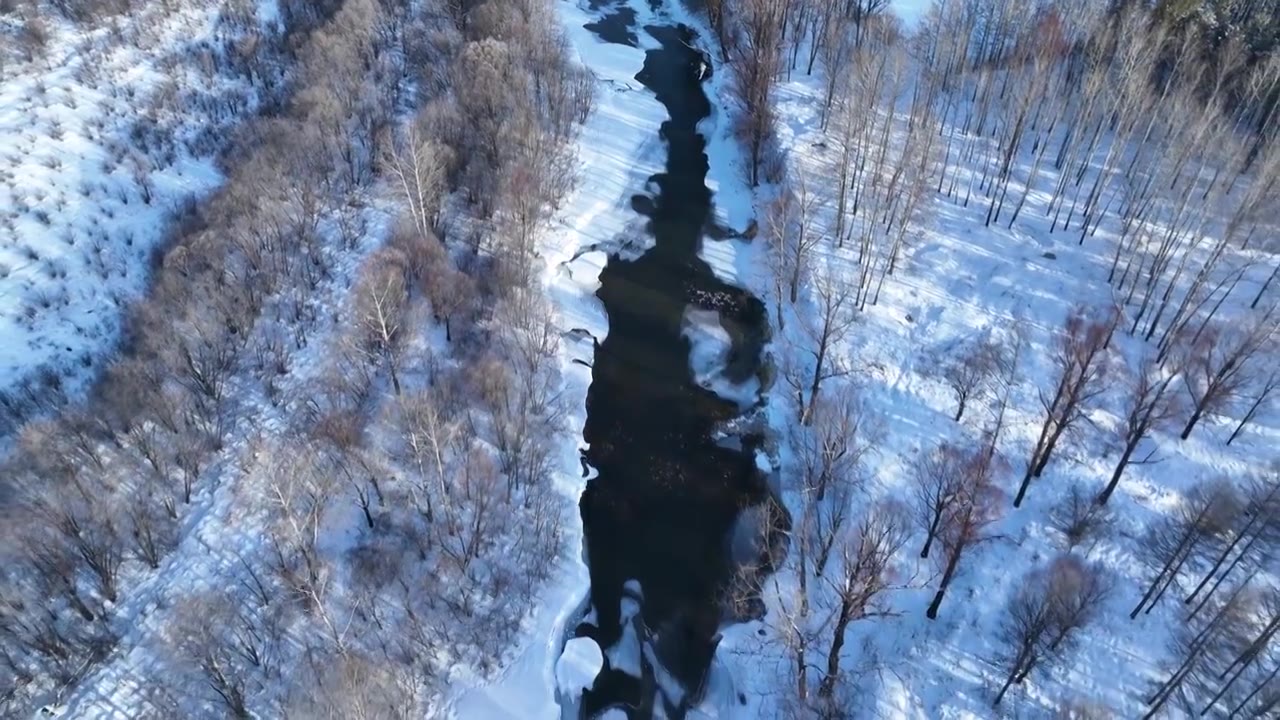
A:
952	562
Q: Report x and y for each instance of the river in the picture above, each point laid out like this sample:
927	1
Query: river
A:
671	482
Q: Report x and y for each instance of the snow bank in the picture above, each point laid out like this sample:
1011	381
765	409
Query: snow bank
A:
708	354
625	654
578	666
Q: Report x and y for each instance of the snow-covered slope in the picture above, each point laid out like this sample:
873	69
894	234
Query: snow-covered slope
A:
104	139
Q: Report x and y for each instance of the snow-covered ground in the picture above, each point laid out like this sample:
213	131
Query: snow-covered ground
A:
103	140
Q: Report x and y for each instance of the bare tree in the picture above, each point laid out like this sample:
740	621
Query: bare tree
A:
356	686
966	524
417	163
1012	346
1080	590
1252	538
1220	365
756	54
823	330
865	575
489	87
199	637
795	233
939	483
433	437
863	11
1148	406
1195	645
300	487
1247	652
452	293
1262	393
1080	518
830	449
1080	364
969	372
152	525
380	300
479	516
1180	539
1049	607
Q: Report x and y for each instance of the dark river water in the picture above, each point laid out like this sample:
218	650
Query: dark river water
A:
665	501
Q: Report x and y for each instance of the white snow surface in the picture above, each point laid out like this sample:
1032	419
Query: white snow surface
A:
708	353
578	666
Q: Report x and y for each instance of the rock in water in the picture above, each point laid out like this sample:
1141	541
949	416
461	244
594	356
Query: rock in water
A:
578	666
704	65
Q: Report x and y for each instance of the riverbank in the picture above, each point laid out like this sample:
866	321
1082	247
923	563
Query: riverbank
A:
618	207
617	151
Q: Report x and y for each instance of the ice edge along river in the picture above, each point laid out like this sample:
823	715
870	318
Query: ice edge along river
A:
617	151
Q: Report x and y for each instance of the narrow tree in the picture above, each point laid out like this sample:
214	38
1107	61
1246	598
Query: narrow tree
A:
1148	405
939	481
1181	537
967	524
1220	365
792	228
1049	607
417	163
823	329
830	449
865	574
1256	647
380	300
1262	394
1195	644
1079	517
756	54
969	371
1080	365
1252	538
